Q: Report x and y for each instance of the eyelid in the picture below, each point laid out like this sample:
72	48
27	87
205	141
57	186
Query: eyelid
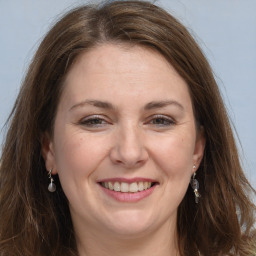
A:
164	117
85	121
93	117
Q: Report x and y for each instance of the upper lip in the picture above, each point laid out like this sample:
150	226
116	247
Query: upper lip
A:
126	180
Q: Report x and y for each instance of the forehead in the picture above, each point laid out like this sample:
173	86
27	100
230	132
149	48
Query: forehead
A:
123	71
120	58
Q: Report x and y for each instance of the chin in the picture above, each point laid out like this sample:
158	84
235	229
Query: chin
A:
130	223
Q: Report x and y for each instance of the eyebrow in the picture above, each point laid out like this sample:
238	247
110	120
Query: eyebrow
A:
95	103
148	106
162	104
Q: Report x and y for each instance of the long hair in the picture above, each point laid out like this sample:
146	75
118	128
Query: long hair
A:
35	222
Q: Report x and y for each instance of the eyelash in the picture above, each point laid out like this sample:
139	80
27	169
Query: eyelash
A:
165	121
93	121
97	121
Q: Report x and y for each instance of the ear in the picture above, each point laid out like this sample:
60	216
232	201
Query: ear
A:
48	153
199	148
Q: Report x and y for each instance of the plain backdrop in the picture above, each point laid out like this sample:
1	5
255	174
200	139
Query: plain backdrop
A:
225	30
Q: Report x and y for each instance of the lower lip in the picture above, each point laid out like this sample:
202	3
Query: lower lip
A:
128	197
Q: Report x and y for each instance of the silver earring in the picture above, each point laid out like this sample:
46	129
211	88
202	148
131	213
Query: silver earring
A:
195	186
52	186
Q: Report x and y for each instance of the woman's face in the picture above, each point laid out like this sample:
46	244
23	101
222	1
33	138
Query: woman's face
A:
124	122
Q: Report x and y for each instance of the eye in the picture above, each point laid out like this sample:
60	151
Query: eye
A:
93	121
162	121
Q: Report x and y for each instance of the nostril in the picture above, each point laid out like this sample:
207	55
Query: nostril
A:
129	152
128	163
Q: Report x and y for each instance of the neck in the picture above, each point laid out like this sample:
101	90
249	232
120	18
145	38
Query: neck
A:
161	242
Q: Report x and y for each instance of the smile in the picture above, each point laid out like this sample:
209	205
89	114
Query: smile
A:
125	187
128	190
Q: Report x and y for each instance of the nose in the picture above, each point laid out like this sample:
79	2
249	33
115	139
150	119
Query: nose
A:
128	148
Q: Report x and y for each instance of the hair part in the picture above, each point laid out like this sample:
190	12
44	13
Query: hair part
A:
34	222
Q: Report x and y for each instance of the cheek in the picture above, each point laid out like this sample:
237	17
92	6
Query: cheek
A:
175	155
174	158
177	164
77	156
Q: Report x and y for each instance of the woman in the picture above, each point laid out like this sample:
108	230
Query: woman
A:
118	114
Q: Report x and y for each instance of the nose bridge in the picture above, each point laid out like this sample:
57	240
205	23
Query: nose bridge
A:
130	143
129	148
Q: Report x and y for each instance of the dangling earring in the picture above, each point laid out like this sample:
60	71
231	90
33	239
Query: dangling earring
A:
195	186
52	186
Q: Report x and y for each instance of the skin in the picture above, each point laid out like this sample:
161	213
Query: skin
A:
129	140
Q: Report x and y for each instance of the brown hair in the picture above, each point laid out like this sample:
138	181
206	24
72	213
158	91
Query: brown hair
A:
34	222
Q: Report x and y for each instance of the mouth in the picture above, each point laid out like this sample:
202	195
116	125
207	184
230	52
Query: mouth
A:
125	187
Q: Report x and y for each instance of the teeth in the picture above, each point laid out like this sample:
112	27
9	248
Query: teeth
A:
133	187
141	187
117	186
110	186
126	187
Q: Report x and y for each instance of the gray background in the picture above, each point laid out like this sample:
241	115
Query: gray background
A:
225	29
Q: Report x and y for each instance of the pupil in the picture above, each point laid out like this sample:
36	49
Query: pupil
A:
95	121
159	121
